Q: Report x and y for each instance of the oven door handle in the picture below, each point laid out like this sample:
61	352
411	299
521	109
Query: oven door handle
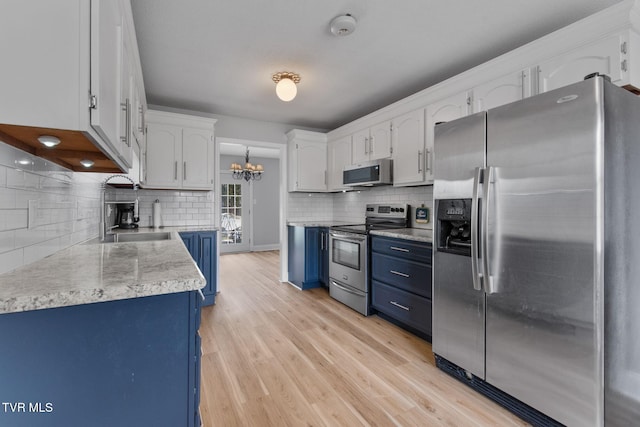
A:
334	283
347	236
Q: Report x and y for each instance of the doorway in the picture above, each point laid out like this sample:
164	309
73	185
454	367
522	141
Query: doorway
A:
235	211
250	214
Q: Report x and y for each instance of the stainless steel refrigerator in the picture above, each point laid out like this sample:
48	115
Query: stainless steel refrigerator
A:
536	270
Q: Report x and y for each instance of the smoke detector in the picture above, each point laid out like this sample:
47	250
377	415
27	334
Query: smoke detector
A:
343	25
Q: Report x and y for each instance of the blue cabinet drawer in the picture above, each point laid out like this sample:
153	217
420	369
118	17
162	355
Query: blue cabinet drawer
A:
406	249
408	275
408	308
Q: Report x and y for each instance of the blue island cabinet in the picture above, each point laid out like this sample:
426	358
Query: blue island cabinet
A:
132	362
308	258
202	245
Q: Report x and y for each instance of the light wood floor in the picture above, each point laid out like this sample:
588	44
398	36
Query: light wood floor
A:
277	356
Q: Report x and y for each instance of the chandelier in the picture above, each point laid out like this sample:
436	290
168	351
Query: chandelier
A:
249	172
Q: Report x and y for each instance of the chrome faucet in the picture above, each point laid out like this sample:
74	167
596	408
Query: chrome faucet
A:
103	203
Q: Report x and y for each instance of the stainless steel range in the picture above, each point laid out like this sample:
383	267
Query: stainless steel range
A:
349	253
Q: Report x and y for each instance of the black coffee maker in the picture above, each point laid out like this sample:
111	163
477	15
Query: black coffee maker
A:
127	215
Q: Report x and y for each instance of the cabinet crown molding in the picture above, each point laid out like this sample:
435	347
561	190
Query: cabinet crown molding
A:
179	119
306	135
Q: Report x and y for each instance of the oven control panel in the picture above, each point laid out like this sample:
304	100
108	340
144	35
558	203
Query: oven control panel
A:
394	210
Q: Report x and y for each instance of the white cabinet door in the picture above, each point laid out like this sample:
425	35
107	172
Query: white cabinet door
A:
408	148
124	119
339	155
197	158
604	56
380	141
360	146
504	90
312	166
445	110
163	156
106	51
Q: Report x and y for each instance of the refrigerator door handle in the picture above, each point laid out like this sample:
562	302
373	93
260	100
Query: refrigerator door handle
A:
475	259
489	284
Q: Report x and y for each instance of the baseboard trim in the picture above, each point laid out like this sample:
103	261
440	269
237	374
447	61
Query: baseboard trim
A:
262	248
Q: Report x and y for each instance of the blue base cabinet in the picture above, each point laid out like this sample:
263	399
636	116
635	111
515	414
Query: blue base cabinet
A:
202	245
308	258
401	282
133	362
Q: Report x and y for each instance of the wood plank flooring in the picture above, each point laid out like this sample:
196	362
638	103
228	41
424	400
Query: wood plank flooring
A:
277	356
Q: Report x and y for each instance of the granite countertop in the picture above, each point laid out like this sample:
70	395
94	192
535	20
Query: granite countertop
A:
98	272
178	228
415	234
318	223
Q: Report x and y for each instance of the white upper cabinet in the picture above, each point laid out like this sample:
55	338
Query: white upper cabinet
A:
163	153
607	56
106	70
372	143
179	152
445	110
125	136
307	161
66	77
339	156
197	158
504	90
408	148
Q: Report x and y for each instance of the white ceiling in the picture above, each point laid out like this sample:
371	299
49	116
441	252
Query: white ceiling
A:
217	56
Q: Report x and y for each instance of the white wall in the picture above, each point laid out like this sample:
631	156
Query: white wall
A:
266	206
64	208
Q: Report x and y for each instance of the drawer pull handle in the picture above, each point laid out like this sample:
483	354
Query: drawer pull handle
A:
397	273
399	305
395	248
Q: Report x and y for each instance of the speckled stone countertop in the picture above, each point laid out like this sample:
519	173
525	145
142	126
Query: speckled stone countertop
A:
415	234
318	223
167	229
98	272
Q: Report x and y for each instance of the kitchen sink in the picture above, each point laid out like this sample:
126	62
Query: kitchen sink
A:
132	237
141	237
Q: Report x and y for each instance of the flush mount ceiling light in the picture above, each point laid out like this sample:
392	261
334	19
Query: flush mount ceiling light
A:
343	25
87	163
286	85
48	140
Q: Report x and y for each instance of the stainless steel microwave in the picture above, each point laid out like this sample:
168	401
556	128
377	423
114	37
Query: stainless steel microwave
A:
375	172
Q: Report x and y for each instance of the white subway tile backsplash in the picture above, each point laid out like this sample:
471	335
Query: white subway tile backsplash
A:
350	206
7	198
11	260
7	241
178	207
65	209
3	176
